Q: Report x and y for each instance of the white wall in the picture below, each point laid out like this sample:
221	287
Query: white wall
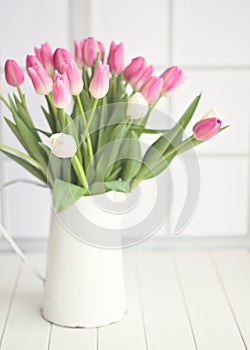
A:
208	39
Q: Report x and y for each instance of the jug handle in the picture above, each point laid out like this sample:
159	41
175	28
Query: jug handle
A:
8	237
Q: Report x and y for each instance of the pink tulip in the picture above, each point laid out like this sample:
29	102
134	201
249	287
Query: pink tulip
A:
41	81
78	45
60	91
206	128
152	89
99	84
74	78
173	77
31	61
102	50
13	73
142	78
61	57
135	68
45	56
90	50
116	57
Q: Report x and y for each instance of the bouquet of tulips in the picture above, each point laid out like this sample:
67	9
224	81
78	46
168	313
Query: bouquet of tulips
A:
96	111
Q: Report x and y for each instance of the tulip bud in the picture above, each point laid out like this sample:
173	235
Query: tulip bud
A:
206	128
116	57
152	89
13	73
63	145
173	77
61	57
90	50
31	61
137	66
74	78
78	45
60	91
213	113
99	84
41	81
45	56
137	106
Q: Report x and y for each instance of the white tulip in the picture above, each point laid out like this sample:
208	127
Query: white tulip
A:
213	113
137	106
63	145
1	89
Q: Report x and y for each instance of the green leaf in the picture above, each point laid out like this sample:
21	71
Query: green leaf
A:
46	133
54	163
115	174
109	153
134	158
25	164
119	186
167	141
50	119
187	116
65	194
23	114
140	128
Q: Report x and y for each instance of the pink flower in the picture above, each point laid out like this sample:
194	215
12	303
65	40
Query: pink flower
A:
74	78
116	57
41	81
13	73
173	77
61	57
135	68
31	61
78	45
90	50
206	128
142	78
45	56
60	91
99	84
152	89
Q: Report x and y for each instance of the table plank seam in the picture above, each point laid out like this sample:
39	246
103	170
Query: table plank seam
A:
219	277
49	337
139	286
178	277
12	298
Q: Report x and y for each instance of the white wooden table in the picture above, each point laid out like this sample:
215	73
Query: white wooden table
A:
182	300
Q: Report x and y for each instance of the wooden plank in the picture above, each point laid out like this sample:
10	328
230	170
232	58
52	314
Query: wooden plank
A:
10	271
128	333
213	323
163	307
69	339
25	328
234	272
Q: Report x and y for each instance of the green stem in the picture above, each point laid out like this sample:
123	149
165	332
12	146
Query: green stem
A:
5	102
91	117
129	124
175	149
80	172
90	147
114	87
79	103
50	101
63	121
22	99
